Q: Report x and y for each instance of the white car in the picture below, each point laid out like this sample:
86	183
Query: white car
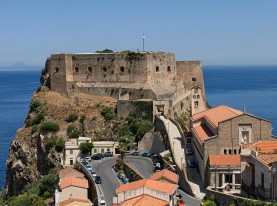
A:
103	203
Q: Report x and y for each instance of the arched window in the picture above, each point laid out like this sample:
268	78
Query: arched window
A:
194	96
76	69
168	69
157	69
198	96
56	69
90	69
104	69
122	69
195	104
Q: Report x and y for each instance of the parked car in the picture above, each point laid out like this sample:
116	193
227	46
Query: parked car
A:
89	168
103	203
188	151
101	155
145	154
127	153
96	157
98	180
125	180
120	175
192	163
88	159
136	153
83	161
108	154
93	173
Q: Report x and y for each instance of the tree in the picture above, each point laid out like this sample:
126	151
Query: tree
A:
86	147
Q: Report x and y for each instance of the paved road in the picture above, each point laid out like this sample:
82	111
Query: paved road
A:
189	201
143	165
110	182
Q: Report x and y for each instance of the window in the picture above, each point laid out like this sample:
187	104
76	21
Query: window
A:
235	151
102	150
230	151
225	151
108	149
196	90
196	104
194	96
71	151
56	69
262	179
168	69
71	162
198	96
76	69
90	69
122	69
157	69
193	79
104	69
95	150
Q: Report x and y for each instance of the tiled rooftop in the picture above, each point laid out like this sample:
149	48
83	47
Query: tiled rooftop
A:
164	187
166	174
73	181
144	200
263	146
217	114
224	160
202	132
75	200
70	172
267	159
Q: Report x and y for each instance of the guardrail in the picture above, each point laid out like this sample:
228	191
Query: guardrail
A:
94	194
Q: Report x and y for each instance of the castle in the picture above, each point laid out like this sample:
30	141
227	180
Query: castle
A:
170	87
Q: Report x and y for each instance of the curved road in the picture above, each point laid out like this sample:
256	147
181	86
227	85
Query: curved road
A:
110	182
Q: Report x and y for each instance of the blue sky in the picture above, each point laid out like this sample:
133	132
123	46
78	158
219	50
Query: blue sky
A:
221	32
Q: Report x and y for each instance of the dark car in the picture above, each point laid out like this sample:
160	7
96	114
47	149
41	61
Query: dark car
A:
96	157
188	151
192	163
101	155
136	153
98	180
145	154
108	154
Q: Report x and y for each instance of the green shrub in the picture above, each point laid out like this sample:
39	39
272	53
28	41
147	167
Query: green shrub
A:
21	155
70	129
105	51
74	134
49	126
82	118
48	184
107	113
35	103
38	118
39	89
34	129
28	122
26	200
86	147
72	117
59	146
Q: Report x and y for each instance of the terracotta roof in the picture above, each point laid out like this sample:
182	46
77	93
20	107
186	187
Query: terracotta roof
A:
165	187
70	172
224	159
263	146
143	200
74	200
166	174
73	181
217	114
267	159
202	132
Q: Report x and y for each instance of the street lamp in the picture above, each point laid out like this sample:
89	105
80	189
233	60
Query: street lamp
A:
273	171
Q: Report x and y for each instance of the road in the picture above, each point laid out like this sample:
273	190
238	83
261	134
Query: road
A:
189	201
143	165
110	182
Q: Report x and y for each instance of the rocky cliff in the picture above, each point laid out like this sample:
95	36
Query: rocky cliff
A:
33	153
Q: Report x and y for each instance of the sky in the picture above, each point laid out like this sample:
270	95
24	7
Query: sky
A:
216	32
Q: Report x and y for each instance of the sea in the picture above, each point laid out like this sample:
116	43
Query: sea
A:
250	87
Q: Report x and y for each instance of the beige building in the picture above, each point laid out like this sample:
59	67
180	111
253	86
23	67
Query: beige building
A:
104	146
223	131
258	170
72	151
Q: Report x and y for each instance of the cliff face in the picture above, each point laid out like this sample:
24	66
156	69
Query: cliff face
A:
31	155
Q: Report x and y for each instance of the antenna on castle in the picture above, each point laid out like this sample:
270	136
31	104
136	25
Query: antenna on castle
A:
143	37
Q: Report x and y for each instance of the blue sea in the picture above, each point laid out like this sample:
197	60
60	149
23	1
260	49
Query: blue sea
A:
234	86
